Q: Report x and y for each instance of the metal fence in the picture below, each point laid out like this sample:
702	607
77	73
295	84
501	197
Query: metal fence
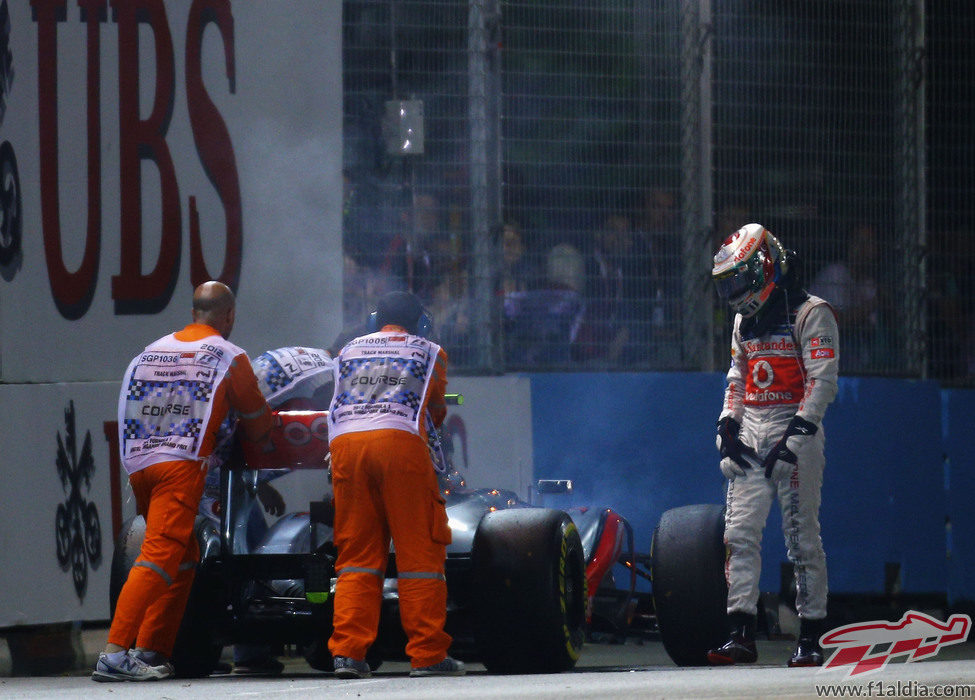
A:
552	177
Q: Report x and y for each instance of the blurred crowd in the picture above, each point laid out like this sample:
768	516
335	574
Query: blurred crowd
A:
608	296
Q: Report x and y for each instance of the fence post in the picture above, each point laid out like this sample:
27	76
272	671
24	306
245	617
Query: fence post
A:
911	197
697	189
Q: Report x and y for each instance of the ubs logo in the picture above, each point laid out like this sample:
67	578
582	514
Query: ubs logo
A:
77	530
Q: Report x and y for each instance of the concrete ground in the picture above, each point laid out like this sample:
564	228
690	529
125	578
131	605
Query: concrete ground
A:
630	670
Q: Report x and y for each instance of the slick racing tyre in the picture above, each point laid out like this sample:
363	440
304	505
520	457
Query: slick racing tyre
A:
689	590
126	551
530	591
195	655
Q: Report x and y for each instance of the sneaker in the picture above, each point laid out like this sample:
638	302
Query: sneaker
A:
350	668
261	666
740	647
221	669
447	667
155	661
124	666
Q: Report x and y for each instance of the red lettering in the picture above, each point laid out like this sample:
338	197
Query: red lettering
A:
114	475
213	141
139	140
134	292
72	291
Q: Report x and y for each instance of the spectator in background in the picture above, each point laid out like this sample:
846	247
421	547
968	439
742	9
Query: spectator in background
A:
850	285
450	301
618	296
659	238
515	279
515	272
541	324
565	269
409	259
427	243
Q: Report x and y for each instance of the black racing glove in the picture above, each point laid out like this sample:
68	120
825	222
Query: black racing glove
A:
798	431
732	448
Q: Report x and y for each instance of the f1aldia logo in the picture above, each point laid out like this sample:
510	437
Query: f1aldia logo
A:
77	530
866	647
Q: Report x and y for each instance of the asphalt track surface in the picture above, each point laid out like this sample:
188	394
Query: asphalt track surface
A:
631	670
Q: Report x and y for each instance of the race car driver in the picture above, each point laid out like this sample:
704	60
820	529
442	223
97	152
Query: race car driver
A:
783	375
175	395
389	393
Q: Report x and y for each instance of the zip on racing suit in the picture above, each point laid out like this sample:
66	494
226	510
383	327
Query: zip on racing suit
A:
389	392
786	370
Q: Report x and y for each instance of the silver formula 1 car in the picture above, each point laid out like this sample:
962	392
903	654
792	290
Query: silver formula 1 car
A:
526	583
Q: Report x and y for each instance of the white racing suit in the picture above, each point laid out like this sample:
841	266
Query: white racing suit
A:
791	369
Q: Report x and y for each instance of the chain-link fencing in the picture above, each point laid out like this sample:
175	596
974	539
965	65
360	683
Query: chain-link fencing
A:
553	177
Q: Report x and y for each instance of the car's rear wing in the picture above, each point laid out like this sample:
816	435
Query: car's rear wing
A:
299	440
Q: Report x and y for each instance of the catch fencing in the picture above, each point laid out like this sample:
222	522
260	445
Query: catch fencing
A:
553	177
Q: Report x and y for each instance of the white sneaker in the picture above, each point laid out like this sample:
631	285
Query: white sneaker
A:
124	666
156	661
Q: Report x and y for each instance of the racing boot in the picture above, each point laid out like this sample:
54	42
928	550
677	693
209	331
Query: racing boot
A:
808	652
740	647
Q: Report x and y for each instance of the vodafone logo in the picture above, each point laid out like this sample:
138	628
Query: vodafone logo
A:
298	433
762	374
745	250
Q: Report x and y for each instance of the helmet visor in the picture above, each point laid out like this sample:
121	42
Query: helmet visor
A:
747	276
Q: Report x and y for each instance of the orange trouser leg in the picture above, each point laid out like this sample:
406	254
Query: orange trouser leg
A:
418	525
150	606
423	612
385	485
158	631
362	540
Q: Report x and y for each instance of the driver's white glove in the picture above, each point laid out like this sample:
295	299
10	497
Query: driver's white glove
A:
730	469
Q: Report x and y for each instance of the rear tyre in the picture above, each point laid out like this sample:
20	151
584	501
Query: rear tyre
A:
690	594
530	591
126	550
195	654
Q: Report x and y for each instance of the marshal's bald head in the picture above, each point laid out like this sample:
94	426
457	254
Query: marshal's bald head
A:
214	304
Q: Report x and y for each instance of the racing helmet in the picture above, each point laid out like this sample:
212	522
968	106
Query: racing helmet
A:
401	309
747	268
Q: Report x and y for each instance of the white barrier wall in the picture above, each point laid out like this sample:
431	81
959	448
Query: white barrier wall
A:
145	146
491	433
56	524
159	144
